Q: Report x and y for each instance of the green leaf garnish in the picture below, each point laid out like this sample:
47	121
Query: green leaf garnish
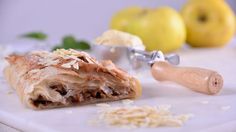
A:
69	42
83	45
35	35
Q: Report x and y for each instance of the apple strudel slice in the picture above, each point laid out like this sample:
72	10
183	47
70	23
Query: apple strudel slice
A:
67	77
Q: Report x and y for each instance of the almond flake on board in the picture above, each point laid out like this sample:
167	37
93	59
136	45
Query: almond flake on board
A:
204	102
224	108
10	92
127	102
103	105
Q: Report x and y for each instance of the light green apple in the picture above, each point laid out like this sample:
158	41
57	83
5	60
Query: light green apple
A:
160	29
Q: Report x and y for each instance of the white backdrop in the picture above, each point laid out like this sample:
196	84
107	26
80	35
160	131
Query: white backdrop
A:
84	19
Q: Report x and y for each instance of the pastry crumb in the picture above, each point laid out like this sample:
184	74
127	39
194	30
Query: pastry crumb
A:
224	108
103	105
127	101
93	122
204	102
10	92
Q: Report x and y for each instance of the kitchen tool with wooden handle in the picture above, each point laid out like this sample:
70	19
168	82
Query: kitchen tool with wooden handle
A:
163	69
197	79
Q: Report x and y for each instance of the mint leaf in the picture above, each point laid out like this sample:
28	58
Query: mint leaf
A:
69	42
83	45
35	35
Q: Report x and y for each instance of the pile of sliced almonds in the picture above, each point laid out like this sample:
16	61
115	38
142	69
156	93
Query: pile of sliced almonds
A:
130	116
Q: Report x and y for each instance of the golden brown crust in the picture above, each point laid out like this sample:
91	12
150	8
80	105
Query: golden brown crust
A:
67	77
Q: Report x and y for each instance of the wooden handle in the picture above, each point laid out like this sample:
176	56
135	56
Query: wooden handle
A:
197	79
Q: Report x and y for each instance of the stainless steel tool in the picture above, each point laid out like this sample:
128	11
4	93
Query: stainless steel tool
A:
137	56
163	67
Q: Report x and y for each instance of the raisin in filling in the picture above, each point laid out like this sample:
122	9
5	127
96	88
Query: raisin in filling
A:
41	100
88	94
60	88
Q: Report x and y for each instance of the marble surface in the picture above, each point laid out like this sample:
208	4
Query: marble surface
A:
211	113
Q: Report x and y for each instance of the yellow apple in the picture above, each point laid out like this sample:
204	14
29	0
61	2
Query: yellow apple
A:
160	29
235	24
209	23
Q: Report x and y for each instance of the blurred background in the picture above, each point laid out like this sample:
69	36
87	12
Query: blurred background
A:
85	19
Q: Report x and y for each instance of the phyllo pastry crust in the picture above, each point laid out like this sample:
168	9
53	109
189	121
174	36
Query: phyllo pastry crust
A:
67	77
